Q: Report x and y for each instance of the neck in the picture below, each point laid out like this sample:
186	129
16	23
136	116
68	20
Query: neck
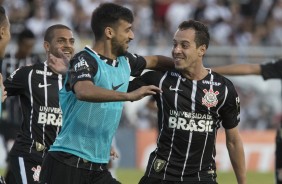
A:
195	73
104	48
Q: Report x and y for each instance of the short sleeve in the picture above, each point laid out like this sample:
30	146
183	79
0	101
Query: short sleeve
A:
230	111
137	64
16	82
83	67
272	70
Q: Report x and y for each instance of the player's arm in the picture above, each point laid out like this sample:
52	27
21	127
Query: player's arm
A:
87	91
238	69
81	82
236	153
158	62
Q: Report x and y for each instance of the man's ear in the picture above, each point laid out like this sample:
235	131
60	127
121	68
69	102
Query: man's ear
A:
202	50
46	46
109	32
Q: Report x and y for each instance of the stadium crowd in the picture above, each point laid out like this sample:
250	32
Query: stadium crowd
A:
231	23
238	23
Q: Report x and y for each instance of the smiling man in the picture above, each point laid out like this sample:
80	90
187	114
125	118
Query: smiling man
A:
194	103
38	86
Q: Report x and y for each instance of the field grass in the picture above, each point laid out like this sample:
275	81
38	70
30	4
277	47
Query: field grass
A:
132	176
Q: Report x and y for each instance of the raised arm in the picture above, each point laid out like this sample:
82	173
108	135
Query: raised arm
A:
236	153
238	69
158	62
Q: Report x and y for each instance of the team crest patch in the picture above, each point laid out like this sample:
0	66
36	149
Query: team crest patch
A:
36	173
159	165
39	146
210	99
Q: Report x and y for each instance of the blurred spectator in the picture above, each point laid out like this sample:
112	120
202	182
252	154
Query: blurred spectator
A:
147	117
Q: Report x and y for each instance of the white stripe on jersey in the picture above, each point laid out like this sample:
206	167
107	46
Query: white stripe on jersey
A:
31	104
193	95
172	137
22	170
162	106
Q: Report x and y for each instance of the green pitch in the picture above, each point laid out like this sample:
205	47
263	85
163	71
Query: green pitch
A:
132	176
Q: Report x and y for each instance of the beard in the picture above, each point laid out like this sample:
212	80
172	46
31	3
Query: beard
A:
117	48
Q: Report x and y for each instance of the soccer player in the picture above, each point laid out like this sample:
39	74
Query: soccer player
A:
92	100
38	86
269	70
23	56
194	103
5	37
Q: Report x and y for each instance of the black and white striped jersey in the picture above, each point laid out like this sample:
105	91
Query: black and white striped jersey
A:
38	87
11	111
189	114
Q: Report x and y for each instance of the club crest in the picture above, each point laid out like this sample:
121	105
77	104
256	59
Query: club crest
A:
39	146
36	173
159	165
210	99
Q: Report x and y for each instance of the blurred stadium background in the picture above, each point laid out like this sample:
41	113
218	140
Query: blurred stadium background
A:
241	31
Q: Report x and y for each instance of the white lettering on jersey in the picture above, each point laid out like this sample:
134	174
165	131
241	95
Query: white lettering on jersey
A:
211	83
81	64
40	72
84	76
50	116
192	125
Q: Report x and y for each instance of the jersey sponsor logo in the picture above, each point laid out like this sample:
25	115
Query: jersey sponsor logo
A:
84	75
116	87
211	83
50	116
174	74
43	85
192	125
210	99
191	115
40	72
174	89
36	173
159	165
82	64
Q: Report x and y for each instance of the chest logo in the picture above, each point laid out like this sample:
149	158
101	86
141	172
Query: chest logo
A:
159	165
174	89
210	99
116	87
43	85
36	173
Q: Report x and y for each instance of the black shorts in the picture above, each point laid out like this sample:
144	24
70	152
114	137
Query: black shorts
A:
22	170
56	172
278	157
150	180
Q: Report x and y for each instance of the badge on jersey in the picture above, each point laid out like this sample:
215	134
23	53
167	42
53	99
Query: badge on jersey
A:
36	173
159	165
39	146
210	99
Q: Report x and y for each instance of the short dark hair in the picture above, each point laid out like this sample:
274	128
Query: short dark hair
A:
3	16
49	33
25	34
202	36
107	15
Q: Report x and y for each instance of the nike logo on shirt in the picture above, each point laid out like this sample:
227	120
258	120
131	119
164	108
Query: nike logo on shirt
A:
174	89
43	85
116	87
